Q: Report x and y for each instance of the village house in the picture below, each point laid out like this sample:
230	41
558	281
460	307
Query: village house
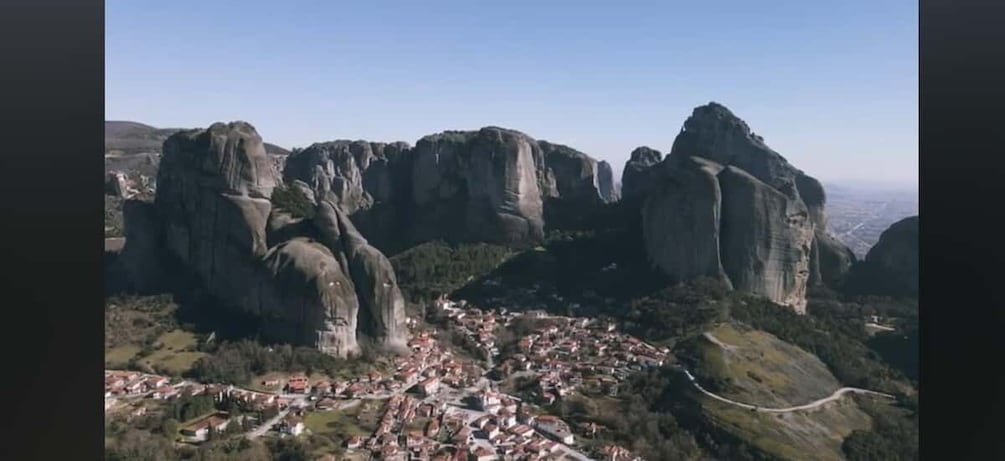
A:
354	442
153	381
432	428
199	430
488	401
506	418
483	454
297	384
326	404
429	386
292	425
521	431
462	437
322	387
554	428
163	392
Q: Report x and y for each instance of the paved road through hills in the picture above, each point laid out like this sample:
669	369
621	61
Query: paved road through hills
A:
836	395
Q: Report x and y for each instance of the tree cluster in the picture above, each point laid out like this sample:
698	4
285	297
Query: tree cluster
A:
292	200
240	362
428	270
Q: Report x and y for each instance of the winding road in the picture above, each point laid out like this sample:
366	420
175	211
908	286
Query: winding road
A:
836	395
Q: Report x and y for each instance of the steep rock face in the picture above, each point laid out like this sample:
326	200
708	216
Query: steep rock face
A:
309	280
609	190
830	260
770	227
487	185
636	178
138	267
577	176
686	207
356	172
376	284
306	296
213	199
488	178
891	266
766	239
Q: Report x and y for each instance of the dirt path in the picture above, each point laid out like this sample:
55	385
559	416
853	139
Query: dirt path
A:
724	346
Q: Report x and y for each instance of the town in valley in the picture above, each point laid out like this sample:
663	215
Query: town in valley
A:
437	402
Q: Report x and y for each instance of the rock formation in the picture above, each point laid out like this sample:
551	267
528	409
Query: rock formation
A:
308	280
724	205
487	185
635	179
891	266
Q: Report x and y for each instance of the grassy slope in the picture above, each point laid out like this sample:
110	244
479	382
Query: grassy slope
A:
361	420
763	370
133	322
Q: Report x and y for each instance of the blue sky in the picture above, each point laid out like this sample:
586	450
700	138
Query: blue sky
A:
832	85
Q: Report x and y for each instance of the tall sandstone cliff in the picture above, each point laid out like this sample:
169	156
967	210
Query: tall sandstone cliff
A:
723	204
315	282
491	185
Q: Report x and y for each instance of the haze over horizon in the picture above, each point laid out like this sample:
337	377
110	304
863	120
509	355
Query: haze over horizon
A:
832	87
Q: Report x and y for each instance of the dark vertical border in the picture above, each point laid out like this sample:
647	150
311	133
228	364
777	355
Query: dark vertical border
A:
962	128
52	99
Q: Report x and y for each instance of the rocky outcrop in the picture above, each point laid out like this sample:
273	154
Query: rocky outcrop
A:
891	266
383	305
139	267
766	238
636	178
606	185
310	281
682	219
830	260
487	185
577	176
723	204
307	297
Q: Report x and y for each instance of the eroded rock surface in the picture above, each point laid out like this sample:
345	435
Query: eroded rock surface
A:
723	204
487	185
310	281
636	177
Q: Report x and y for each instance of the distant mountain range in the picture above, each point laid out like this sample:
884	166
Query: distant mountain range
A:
131	138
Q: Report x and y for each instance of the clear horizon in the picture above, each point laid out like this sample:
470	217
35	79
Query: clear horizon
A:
832	87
